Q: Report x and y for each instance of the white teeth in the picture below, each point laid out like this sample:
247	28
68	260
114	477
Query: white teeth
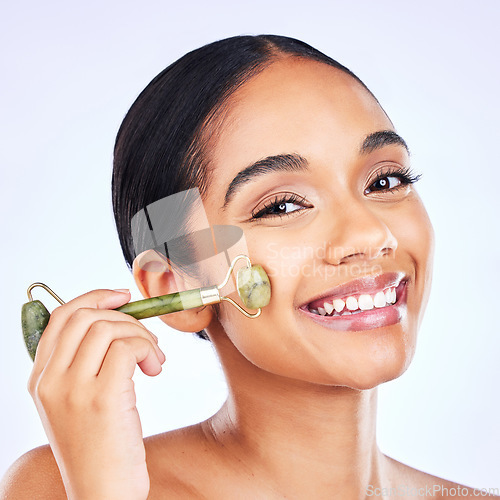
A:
339	305
379	299
328	307
351	303
365	302
390	295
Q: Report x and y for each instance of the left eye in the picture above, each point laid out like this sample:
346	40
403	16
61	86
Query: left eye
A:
387	182
393	180
284	207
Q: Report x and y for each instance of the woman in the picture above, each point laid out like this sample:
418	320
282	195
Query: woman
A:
291	147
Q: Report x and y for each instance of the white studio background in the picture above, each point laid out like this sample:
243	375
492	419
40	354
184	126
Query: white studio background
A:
70	71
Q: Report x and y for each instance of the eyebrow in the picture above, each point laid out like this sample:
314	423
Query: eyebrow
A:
380	139
295	162
277	163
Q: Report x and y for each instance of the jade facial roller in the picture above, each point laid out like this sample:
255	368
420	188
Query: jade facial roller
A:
252	282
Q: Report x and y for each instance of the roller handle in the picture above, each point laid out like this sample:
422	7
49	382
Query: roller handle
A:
35	316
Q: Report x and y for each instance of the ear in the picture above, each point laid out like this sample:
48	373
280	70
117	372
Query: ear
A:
154	276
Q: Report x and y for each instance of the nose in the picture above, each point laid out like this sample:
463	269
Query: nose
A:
359	234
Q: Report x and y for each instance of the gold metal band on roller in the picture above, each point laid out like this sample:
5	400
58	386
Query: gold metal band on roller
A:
210	295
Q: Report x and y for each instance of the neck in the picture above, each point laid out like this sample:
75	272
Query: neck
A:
300	437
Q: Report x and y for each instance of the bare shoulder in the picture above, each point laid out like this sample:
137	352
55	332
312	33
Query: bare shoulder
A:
423	484
33	475
174	462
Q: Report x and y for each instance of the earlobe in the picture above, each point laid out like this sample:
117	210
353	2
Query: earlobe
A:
154	276
193	320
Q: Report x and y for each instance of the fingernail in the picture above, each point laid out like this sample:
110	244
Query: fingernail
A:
121	290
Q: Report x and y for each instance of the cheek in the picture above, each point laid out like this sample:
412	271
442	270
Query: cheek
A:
264	342
272	342
267	340
415	234
284	257
413	227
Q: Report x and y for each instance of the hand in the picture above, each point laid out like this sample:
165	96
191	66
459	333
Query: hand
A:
82	386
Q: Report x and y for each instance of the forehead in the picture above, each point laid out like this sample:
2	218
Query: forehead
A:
295	105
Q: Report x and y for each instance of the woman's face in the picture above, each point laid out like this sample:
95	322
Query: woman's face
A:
318	218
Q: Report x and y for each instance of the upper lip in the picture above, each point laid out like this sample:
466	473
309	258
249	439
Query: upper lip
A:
367	284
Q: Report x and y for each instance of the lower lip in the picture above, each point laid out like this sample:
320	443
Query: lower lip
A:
365	320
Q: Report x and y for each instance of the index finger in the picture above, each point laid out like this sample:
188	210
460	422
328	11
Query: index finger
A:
99	299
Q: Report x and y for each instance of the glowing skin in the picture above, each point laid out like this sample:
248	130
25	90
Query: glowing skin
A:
299	421
323	115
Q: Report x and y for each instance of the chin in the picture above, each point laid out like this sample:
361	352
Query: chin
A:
380	367
359	371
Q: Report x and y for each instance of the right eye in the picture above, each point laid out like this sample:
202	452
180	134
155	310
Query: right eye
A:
280	206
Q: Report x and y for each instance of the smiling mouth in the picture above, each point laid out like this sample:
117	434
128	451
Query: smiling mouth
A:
355	304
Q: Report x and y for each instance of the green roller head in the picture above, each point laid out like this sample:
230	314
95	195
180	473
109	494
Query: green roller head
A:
34	319
253	286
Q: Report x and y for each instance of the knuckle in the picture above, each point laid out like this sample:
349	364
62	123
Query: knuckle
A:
106	329
56	312
101	330
120	346
44	390
70	395
81	313
56	315
31	385
101	326
141	331
126	319
123	348
144	332
98	333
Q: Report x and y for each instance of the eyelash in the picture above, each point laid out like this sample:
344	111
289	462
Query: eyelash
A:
288	198
406	176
